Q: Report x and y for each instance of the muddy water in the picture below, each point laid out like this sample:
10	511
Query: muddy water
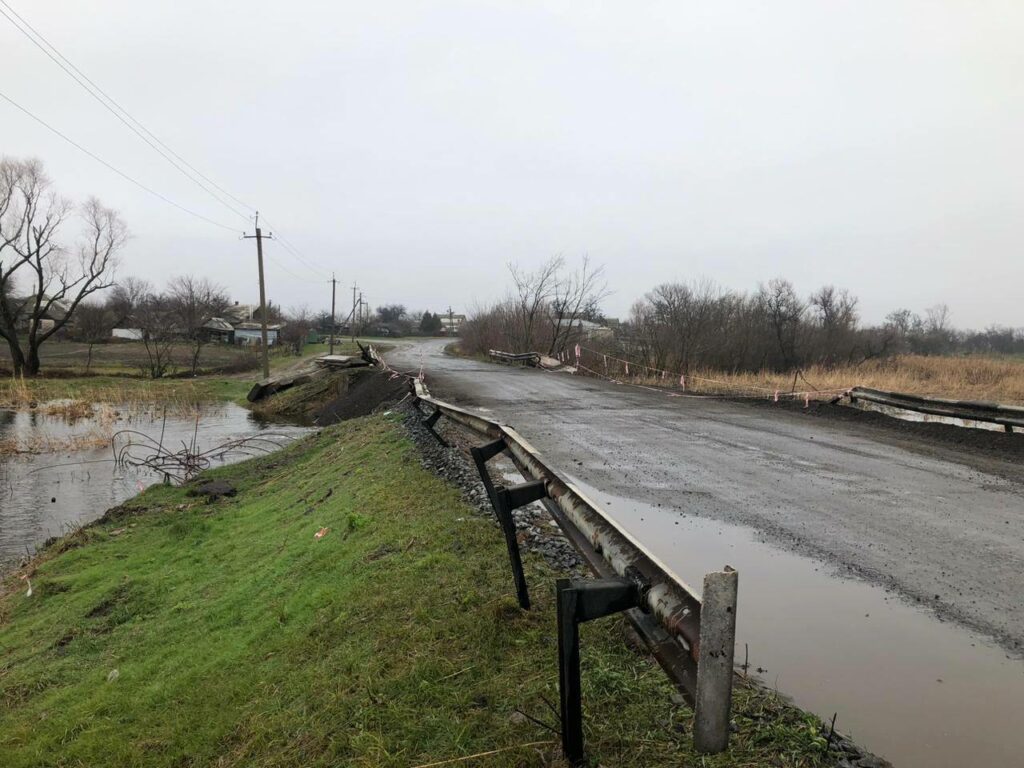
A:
916	690
73	478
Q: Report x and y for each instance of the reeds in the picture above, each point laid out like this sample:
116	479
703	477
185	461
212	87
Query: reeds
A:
77	399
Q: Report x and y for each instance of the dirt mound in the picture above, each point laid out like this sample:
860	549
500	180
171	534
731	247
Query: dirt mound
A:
333	397
367	391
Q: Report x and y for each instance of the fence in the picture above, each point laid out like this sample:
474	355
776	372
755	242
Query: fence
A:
1009	417
692	639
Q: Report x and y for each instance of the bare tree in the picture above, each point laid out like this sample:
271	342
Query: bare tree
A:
532	291
574	298
93	325
155	317
32	256
836	313
785	313
125	298
298	323
194	301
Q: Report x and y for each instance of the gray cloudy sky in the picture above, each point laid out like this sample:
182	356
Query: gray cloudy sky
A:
417	147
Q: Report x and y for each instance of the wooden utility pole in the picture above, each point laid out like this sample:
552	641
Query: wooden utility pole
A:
451	321
334	289
258	237
352	321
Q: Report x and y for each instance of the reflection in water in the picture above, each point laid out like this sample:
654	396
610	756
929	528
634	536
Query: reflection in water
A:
917	690
74	479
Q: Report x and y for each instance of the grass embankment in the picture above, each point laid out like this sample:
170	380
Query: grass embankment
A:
240	639
958	378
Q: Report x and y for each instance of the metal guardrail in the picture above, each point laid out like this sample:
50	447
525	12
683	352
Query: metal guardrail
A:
1007	416
693	640
522	358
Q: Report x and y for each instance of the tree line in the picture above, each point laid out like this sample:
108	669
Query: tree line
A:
688	326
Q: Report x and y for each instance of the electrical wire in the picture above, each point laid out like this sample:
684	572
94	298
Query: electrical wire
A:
153	141
106	101
118	171
312	266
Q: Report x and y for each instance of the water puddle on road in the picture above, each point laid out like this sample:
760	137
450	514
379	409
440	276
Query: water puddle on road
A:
64	475
907	686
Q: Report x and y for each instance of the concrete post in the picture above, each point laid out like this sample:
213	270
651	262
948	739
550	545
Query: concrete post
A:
714	665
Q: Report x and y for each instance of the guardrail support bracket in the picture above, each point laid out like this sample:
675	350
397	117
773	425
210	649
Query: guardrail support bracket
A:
507	500
481	455
429	423
582	600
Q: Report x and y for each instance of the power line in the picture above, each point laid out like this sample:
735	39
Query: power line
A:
313	266
136	126
96	92
118	171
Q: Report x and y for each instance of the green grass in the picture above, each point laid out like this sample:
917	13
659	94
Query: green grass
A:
240	640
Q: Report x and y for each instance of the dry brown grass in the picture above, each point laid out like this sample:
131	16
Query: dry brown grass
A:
960	378
97	437
75	399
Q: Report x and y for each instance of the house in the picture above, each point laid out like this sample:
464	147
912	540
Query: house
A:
451	323
22	307
586	329
217	329
251	333
242	313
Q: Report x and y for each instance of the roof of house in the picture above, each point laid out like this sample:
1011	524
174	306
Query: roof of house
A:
240	313
218	324
257	326
57	309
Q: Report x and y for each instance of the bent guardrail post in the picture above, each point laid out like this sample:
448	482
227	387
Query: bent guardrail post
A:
481	455
507	500
714	665
582	600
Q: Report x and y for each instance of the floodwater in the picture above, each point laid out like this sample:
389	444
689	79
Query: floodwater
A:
71	478
905	685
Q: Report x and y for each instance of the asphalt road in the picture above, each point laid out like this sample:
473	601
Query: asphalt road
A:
941	525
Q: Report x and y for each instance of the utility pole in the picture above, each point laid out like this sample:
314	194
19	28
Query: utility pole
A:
352	322
258	237
334	288
451	321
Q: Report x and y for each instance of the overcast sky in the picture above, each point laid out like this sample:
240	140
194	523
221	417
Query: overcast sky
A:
417	147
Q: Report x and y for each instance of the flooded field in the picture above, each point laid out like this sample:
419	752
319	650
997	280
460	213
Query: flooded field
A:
907	686
59	469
